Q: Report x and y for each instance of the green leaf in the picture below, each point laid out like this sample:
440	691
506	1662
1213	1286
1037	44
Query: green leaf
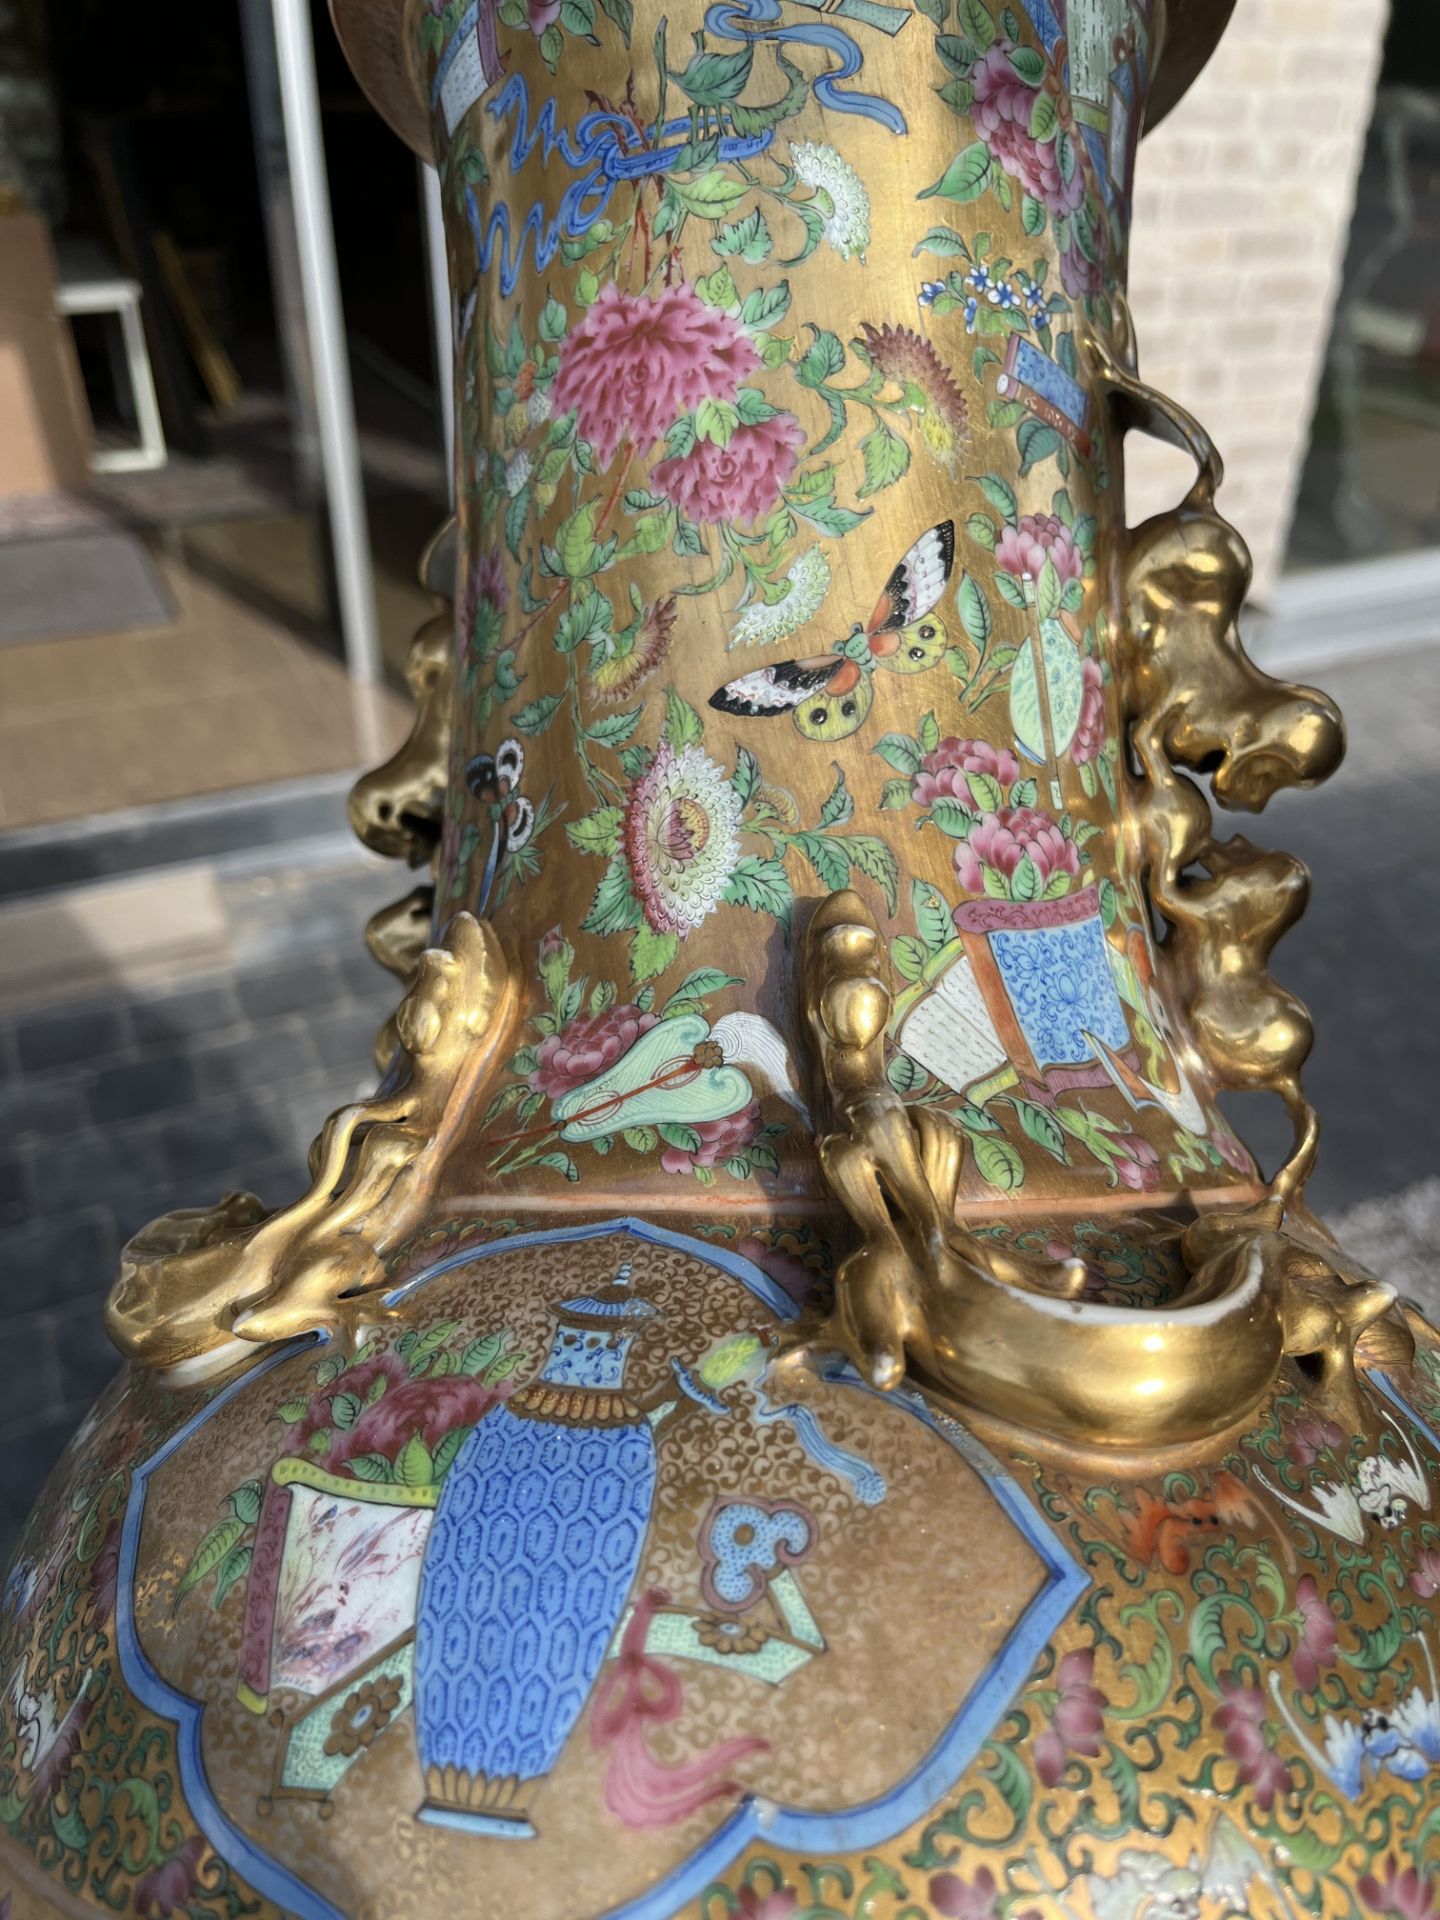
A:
1041	1126
704	981
958	54
929	732
711	79
894	794
614	729
640	1139
584	620
999	1164
944	241
1025	881
905	1074
1001	496
838	806
749	238
886	458
981	529
674	1134
765	307
932	916
1109	902
651	952
1207	1634
1036	442
966	178
245	1502
955	821
716	421
908	956
414	1466
552	320
718	289
536	717
975	18
1376	1647
622	13
598	832
746	777
373	1467
821	360
233	1567
682	727
753	407
450	1444
898	750
482	1353
210	1552
974	609
1047	591
829	518
1028	64
345	1410
876	862
762	884
614	908
712	196
292	1413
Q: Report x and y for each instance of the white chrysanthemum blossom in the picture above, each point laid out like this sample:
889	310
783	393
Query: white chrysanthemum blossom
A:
517	471
847	226
681	837
758	625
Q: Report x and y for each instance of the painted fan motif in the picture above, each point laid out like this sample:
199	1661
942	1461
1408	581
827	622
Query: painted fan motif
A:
829	697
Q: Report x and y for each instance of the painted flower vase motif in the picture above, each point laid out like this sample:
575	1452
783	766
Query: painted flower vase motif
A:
789	1401
529	1563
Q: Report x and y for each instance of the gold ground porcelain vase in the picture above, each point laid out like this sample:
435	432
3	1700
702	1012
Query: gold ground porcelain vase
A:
789	1402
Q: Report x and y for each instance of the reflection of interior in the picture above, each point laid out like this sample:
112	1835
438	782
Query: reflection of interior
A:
174	620
1371	483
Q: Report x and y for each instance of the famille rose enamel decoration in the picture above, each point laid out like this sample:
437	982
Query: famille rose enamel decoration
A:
789	1401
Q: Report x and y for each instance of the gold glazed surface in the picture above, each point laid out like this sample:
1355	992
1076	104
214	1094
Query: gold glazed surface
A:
983	1497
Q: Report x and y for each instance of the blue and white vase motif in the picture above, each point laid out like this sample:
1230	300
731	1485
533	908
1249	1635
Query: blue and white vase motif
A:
531	1557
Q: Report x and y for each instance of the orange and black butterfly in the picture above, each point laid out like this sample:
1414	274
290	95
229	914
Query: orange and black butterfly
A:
829	698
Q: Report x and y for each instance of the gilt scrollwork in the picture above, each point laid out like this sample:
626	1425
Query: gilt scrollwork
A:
201	1289
397	808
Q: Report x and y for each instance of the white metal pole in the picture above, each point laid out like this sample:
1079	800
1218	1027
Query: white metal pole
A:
440	319
334	401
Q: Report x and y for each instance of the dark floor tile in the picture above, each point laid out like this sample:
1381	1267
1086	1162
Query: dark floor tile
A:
219	1143
16	1198
198	1012
30	1457
364	976
29	1375
343	1039
85	1359
299	986
71	1036
158	1084
48	1263
45	1108
255	1059
97	1166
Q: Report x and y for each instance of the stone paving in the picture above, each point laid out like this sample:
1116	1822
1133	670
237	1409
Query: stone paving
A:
124	1103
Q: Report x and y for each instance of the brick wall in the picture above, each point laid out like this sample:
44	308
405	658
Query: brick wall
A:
1242	209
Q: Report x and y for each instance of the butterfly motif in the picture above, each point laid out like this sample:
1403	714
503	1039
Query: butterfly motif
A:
830	697
495	778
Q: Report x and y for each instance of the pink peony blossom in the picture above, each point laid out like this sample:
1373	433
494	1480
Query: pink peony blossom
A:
802	1283
540	14
587	1047
1309	1437
1002	109
778	1904
735	482
1242	1721
551	946
1090	727
1425	1575
637	362
1077	1719
1401	1893
165	1889
1036	538
961	1899
1003	839
944	770
1139	1162
718	1140
1318	1639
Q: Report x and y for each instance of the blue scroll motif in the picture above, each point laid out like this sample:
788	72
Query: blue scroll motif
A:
865	1481
600	153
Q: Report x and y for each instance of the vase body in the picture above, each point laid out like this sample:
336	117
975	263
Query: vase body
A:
792	365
